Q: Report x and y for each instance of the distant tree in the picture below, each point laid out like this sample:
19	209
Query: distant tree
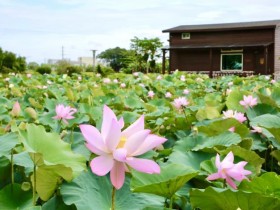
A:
115	57
9	62
20	64
146	52
44	69
32	65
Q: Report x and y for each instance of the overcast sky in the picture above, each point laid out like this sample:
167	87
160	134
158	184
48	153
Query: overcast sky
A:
37	29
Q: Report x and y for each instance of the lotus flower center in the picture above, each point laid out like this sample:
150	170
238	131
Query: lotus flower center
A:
122	142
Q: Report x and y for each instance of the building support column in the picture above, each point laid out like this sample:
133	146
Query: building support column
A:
266	59
211	63
163	60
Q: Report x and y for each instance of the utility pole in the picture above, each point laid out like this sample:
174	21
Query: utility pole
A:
93	57
62	53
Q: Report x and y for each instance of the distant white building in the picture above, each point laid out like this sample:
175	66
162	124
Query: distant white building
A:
82	61
85	61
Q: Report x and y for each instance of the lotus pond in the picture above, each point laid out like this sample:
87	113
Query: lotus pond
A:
140	141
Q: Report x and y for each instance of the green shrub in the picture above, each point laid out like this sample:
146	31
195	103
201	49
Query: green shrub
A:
44	69
73	69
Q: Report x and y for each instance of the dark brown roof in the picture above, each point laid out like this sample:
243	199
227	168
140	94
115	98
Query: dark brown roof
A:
225	26
224	45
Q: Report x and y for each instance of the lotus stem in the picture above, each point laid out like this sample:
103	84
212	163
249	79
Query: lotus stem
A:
185	114
34	181
113	198
12	169
71	136
171	202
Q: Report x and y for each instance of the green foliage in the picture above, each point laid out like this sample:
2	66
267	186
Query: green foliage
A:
165	184
146	53
90	192
44	69
116	58
9	62
40	153
225	199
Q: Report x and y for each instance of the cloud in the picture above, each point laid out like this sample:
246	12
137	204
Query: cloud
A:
38	29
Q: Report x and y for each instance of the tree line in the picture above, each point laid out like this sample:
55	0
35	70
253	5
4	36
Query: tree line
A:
9	62
141	57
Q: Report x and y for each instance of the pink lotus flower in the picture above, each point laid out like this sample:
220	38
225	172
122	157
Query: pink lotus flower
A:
159	77
168	95
228	170
122	85
234	114
180	102
16	109
231	129
186	91
116	149
273	81
256	129
248	101
106	80
64	113
151	94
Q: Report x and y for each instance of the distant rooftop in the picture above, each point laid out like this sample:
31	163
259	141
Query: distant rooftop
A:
225	26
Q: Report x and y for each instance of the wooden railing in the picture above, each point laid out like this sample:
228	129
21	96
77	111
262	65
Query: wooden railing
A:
229	73
224	73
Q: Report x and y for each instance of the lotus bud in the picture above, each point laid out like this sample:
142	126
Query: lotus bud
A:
16	110
31	112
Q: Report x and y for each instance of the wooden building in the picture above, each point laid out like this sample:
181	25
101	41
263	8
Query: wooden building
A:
240	48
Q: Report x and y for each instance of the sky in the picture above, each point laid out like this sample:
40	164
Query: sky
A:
40	29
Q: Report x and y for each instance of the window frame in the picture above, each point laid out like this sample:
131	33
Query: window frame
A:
185	33
221	63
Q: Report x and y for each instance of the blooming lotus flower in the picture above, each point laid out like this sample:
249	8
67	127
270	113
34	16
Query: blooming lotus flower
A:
117	149
106	80
231	129
116	81
234	114
186	91
180	102
159	77
248	101
64	113
136	74
182	78
228	170
122	85
230	84
16	109
228	91
168	95
151	94
256	129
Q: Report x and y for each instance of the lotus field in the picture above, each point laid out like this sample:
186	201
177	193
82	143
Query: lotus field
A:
139	141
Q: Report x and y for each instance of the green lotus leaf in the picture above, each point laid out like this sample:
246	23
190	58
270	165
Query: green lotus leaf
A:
171	178
91	192
53	150
13	197
226	199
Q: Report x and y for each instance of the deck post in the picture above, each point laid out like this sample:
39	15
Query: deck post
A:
266	59
211	63
163	60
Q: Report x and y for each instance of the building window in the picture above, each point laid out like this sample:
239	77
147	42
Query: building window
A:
186	35
232	61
